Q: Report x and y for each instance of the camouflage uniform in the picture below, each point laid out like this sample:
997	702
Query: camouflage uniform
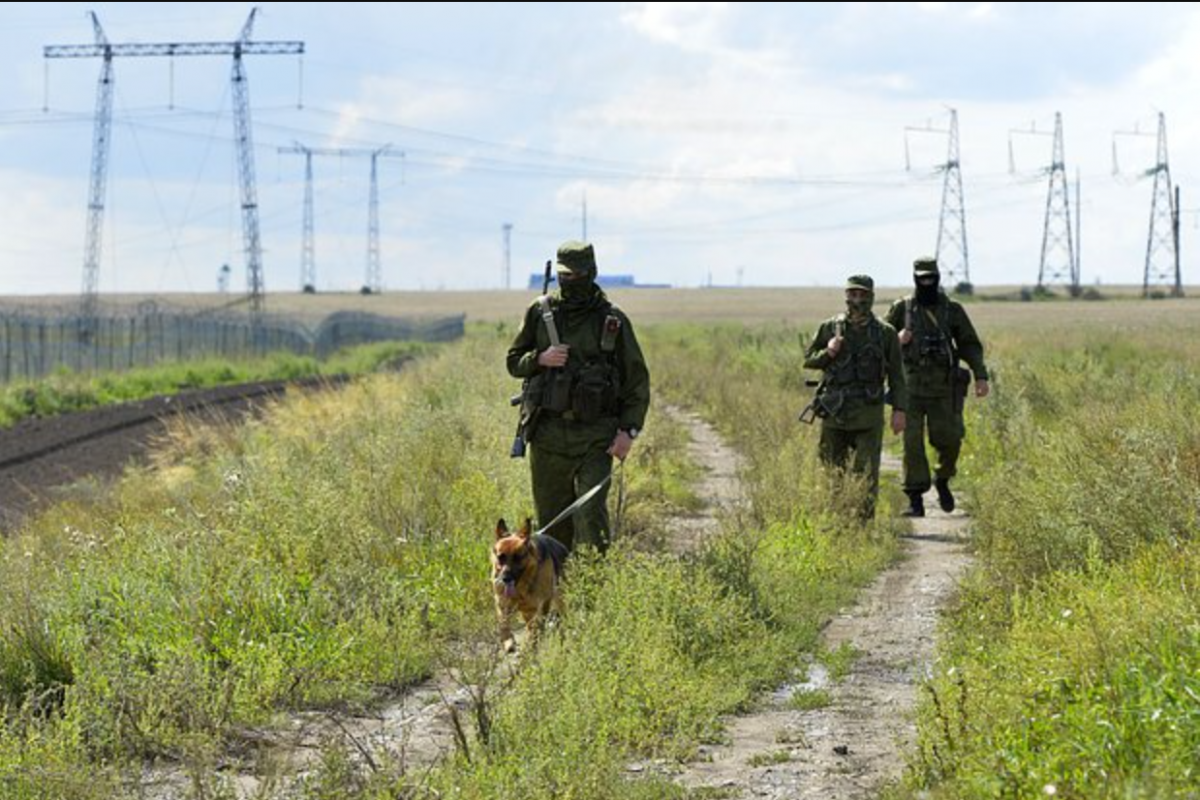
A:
851	396
604	388
942	334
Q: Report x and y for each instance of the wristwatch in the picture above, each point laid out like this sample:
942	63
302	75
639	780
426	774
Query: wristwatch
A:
632	433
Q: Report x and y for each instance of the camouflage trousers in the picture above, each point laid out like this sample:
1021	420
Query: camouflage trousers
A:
857	451
558	480
946	432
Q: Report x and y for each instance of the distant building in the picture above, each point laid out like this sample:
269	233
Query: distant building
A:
605	281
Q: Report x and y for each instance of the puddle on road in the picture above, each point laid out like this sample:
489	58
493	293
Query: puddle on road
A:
818	678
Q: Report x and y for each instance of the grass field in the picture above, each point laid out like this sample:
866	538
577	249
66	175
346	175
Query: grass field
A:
757	305
329	552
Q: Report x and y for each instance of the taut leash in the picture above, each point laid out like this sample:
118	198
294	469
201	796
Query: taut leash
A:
580	502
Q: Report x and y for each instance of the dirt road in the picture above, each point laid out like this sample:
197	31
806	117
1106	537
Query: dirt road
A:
848	749
851	748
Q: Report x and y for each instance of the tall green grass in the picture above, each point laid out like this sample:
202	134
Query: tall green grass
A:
655	649
330	551
335	551
1071	666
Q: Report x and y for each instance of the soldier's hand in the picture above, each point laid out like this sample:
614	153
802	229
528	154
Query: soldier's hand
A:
554	356
905	336
982	387
899	421
621	445
834	346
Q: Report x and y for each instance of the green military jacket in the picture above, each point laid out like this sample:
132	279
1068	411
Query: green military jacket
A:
584	331
942	335
870	355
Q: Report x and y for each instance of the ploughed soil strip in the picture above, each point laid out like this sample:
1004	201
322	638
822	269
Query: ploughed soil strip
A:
40	456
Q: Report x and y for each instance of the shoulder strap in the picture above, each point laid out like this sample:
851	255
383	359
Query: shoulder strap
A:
876	328
940	315
944	310
944	316
548	319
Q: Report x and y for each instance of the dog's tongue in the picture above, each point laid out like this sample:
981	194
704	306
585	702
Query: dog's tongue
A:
510	589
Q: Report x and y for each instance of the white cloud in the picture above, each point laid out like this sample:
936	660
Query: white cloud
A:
42	229
639	103
401	101
691	26
625	204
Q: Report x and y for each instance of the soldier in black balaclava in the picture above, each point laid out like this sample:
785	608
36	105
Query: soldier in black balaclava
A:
935	334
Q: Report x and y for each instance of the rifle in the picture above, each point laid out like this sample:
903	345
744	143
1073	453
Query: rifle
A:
529	408
808	415
518	445
820	407
824	404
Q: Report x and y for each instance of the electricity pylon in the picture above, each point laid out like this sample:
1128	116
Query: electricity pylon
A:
1162	242
1057	236
952	221
101	140
308	267
507	228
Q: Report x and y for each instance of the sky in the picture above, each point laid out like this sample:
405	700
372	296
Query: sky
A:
757	144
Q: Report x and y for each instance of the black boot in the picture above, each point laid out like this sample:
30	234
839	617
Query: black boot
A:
945	498
916	505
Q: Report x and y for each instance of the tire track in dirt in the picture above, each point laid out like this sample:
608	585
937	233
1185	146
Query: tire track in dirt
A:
854	746
719	488
417	729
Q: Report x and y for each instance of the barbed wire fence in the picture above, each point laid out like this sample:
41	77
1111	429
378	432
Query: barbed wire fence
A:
38	342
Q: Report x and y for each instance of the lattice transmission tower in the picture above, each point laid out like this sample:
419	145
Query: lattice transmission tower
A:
1059	261
1161	267
952	253
308	268
101	140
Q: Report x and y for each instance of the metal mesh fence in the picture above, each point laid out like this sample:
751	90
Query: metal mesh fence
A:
34	343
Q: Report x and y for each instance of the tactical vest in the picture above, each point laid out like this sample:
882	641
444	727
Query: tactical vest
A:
588	387
931	347
858	372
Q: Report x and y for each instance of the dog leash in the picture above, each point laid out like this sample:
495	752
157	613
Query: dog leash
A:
579	503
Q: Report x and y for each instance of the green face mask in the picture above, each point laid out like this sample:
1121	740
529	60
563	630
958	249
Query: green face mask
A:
859	306
576	291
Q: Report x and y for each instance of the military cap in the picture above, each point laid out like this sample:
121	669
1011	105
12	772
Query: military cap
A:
863	282
576	257
925	266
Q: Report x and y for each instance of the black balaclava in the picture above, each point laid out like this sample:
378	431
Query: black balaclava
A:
927	290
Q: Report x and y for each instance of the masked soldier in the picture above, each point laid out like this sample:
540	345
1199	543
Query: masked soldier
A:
859	355
935	333
587	394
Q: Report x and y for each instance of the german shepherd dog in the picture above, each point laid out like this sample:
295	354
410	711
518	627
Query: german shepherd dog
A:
525	575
